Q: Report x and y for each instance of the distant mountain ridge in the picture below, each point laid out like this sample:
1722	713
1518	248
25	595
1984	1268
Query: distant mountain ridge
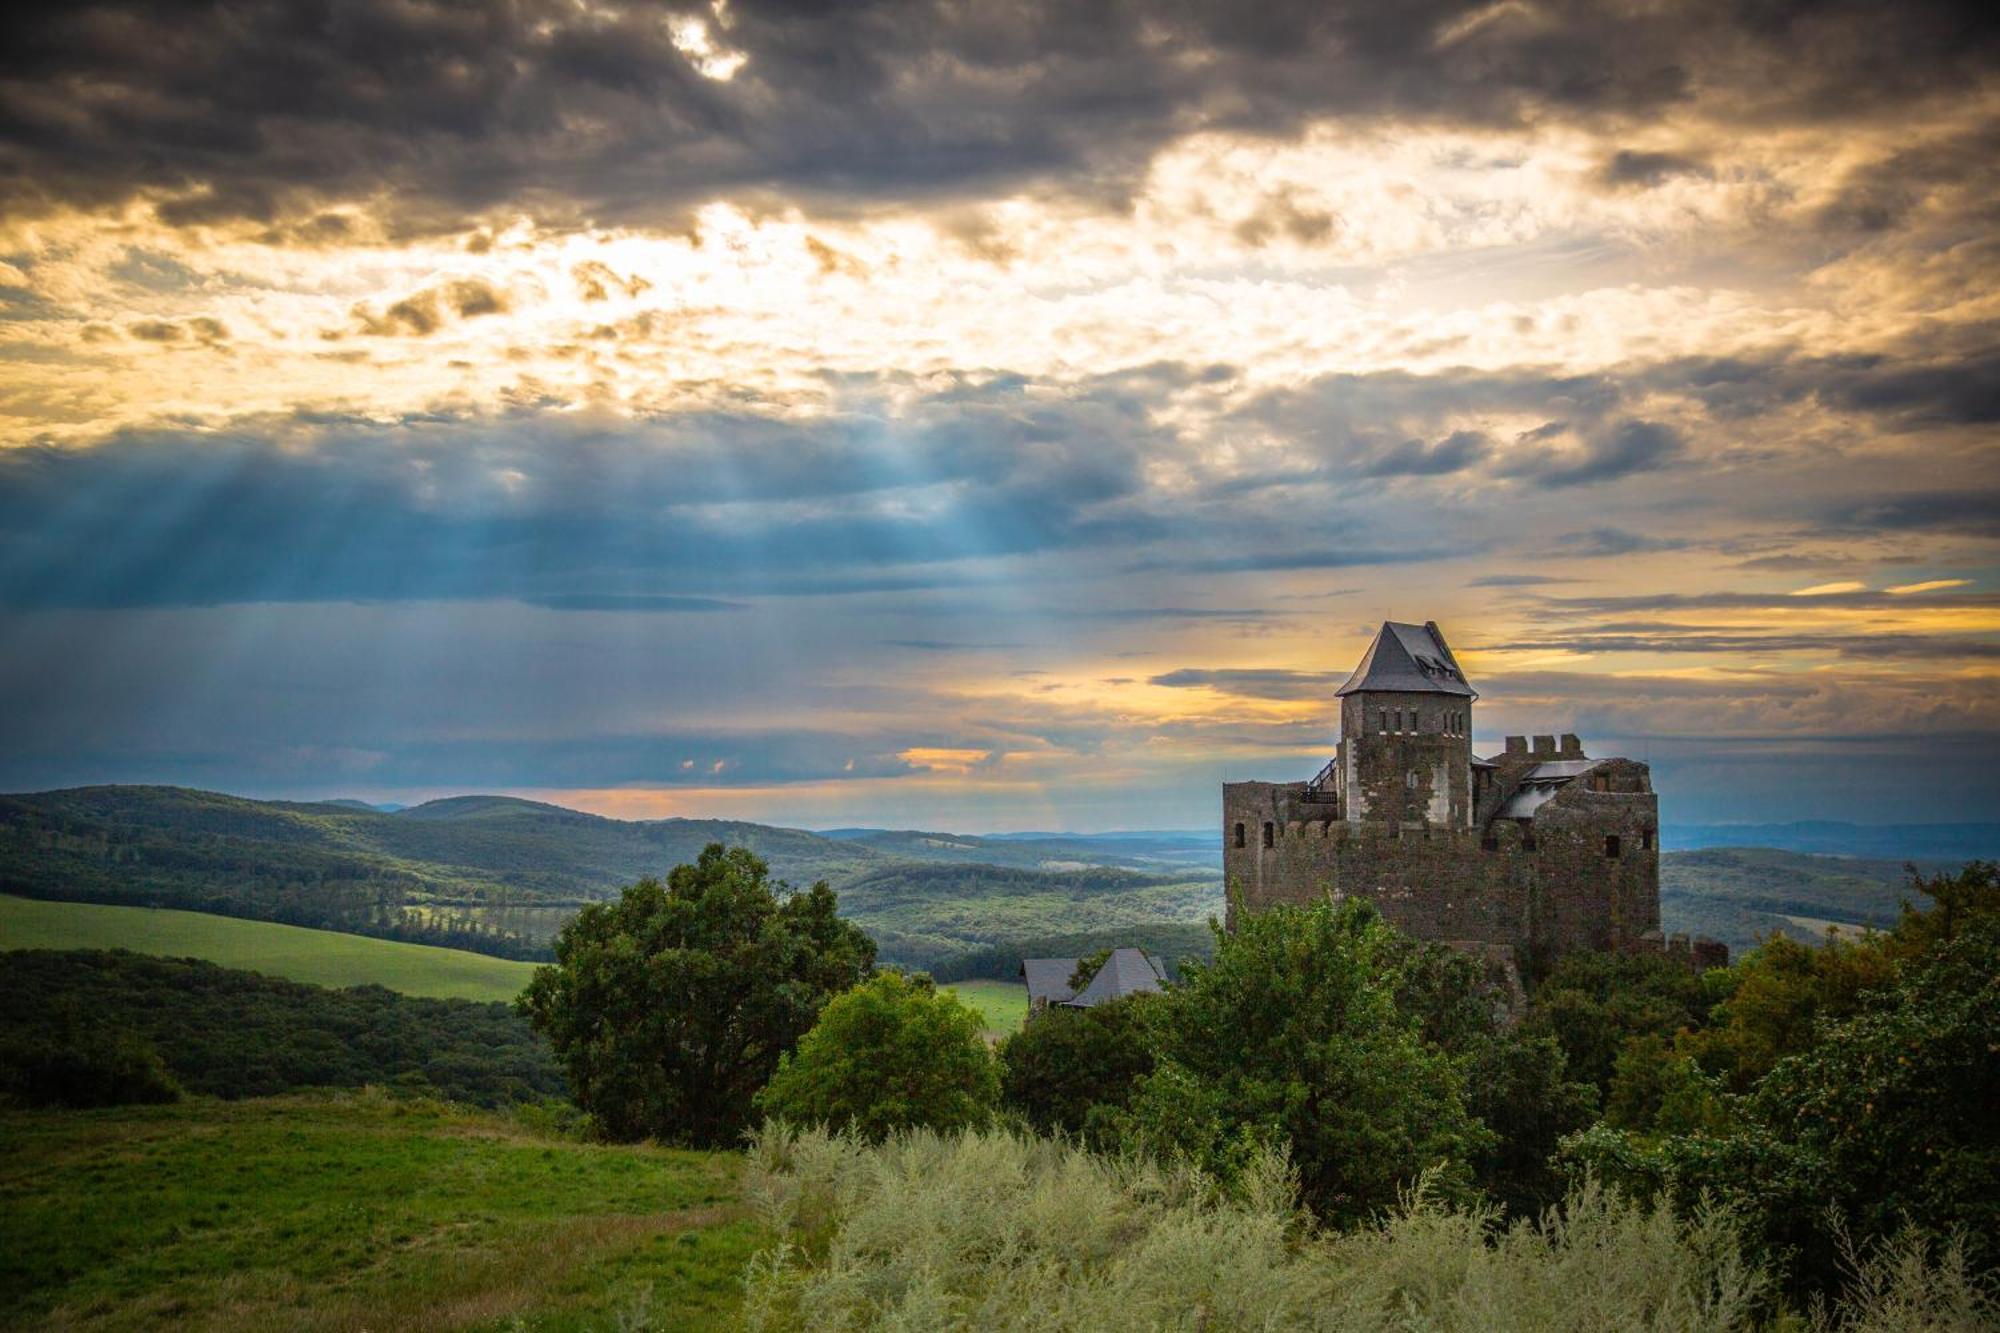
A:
1832	837
500	875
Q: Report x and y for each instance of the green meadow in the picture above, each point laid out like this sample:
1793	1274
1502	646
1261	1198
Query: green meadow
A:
320	957
357	1211
1003	1004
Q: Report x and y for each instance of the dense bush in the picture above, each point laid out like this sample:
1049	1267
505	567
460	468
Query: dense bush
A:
893	1053
72	1068
228	1033
1294	1035
1874	1110
1074	1070
670	1008
997	1231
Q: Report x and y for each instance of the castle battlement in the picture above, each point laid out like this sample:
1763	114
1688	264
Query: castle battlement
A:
1536	851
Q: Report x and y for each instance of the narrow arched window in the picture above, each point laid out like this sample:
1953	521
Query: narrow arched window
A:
1239	835
1270	834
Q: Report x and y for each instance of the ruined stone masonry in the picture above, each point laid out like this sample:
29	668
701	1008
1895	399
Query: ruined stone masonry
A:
1533	853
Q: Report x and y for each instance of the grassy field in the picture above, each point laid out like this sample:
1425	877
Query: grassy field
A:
1003	1003
321	957
354	1211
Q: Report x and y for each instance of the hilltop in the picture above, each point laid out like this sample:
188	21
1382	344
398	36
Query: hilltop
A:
499	875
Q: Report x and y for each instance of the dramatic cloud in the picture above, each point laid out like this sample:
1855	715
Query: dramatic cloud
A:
1006	414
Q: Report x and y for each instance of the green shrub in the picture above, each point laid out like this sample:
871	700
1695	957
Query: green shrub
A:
1074	1070
1294	1034
893	1053
77	1070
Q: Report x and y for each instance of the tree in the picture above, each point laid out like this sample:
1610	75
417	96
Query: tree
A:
671	1007
1876	1114
1293	1034
1073	1070
893	1053
1593	1003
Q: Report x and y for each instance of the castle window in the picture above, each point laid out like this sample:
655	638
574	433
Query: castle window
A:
1611	846
1384	727
1270	834
1239	835
1410	779
1645	840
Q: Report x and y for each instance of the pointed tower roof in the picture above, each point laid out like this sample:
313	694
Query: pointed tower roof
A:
1410	659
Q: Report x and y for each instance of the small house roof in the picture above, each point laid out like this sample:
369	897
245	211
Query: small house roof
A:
1409	659
1126	972
1048	978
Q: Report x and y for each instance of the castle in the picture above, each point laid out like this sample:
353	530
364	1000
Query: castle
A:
1533	853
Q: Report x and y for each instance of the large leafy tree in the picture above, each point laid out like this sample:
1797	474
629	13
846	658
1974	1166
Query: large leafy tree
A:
893	1053
1294	1034
670	1007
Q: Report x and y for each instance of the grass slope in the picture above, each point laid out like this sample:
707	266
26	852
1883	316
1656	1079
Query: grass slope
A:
321	957
1003	1004
1742	894
354	1211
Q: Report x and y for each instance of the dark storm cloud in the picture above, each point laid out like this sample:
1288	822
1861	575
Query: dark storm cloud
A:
1626	168
1974	512
1254	684
255	110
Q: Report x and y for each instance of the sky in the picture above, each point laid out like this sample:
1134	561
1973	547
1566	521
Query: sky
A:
995	416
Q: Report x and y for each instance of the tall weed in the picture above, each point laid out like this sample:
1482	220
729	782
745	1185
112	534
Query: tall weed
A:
1005	1231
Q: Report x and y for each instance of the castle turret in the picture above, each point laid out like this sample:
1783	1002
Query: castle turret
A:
1406	732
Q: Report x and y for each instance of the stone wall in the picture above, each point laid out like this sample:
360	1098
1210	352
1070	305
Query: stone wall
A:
1584	874
1405	758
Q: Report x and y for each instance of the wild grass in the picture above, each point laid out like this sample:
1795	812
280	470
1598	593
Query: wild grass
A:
998	1231
320	957
357	1211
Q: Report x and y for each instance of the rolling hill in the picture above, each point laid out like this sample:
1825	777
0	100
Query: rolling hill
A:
499	875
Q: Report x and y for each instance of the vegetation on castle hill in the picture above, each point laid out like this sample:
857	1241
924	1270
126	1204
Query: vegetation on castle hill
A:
1003	1231
103	1028
1073	1071
894	1053
1835	1095
669	1009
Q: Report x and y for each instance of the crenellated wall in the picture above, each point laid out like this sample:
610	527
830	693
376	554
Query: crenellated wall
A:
1584	873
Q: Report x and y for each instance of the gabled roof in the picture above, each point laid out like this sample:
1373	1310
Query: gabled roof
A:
1048	978
1125	972
1411	659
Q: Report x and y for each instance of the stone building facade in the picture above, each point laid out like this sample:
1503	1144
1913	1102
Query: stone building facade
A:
1537	851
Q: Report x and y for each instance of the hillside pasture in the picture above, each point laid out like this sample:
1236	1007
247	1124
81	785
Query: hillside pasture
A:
321	957
1003	1004
357	1211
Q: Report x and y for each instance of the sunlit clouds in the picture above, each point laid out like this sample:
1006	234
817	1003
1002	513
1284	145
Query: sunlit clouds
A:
984	417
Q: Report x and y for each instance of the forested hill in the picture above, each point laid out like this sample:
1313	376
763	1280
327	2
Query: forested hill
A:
491	873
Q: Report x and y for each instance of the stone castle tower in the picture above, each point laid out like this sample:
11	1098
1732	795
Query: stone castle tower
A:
1532	853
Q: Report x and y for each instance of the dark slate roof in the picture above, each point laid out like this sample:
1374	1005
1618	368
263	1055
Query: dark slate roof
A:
1048	978
1125	972
1409	658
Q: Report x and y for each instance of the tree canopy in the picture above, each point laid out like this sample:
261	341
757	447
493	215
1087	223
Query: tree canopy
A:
894	1053
1293	1033
671	1007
